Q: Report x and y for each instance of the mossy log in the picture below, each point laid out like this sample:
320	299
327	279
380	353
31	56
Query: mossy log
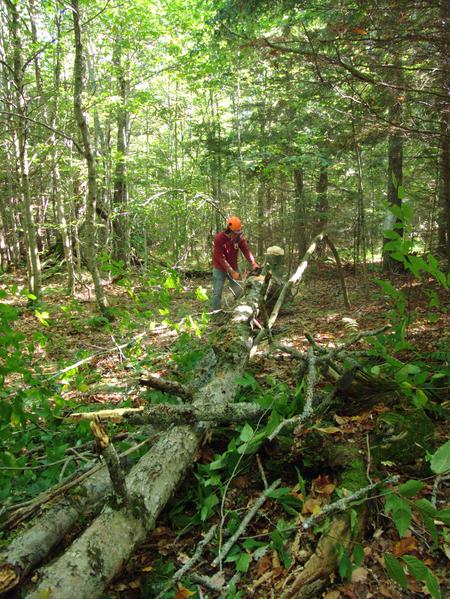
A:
99	554
33	544
324	561
401	437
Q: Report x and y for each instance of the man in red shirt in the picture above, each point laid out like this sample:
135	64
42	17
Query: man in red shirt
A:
225	259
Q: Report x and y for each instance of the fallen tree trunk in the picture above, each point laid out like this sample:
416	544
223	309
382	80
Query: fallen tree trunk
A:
84	497
31	546
93	560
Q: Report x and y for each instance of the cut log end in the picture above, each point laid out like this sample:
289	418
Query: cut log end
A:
9	577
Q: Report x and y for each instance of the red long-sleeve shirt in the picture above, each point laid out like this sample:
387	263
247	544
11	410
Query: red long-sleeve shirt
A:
226	251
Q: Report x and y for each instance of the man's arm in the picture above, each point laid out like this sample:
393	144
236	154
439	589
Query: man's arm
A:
243	246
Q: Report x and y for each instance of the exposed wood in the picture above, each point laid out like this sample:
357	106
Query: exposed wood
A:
109	454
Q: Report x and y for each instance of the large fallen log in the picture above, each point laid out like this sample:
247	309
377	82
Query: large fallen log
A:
59	515
93	560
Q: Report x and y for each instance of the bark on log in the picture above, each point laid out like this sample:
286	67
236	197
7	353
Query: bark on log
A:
101	551
30	547
163	415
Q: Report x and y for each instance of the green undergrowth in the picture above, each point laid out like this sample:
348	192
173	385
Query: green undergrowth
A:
36	444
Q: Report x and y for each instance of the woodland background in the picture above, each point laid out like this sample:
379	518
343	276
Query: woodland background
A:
129	132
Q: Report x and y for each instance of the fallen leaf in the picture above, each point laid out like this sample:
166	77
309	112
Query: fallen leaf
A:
404	546
360	574
332	595
264	564
312	506
349	592
147	569
329	430
183	592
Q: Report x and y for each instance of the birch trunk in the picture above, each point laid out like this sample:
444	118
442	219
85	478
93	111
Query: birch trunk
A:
34	265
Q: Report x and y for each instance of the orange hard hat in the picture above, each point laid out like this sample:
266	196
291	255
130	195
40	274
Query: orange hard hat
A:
234	224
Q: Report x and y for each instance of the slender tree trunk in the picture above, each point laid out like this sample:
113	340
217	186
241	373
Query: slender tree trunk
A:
34	265
56	178
11	250
444	187
322	198
121	239
395	165
91	250
300	225
361	248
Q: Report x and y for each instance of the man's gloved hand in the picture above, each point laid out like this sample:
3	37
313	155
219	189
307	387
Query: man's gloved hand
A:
236	276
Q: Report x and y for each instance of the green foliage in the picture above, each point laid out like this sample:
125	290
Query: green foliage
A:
440	460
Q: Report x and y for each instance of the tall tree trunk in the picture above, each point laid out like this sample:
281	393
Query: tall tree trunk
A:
322	197
444	187
121	239
34	264
56	178
300	225
9	195
360	236
80	115
395	165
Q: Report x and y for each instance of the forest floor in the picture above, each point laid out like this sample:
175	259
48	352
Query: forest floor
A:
74	331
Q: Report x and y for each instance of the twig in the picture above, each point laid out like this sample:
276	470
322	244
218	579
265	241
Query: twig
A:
94	355
261	471
207	582
119	349
369	458
190	563
223	551
310	383
342	504
437	482
309	396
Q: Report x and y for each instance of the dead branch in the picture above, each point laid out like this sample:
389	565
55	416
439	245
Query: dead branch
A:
309	395
342	504
172	387
339	270
109	454
191	562
162	415
294	280
223	551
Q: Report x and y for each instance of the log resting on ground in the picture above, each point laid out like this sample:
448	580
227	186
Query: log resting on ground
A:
98	555
31	546
315	573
